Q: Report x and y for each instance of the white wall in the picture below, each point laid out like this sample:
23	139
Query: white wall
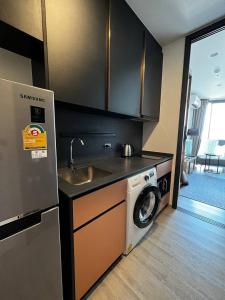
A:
15	67
162	137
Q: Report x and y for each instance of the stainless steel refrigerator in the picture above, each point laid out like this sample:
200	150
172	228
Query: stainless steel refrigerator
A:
30	263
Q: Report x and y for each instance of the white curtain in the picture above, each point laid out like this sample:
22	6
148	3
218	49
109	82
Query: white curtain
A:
198	122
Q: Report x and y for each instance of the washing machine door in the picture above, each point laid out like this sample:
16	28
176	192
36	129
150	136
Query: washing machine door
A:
146	206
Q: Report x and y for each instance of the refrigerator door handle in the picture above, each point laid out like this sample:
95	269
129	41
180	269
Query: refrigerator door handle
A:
18	217
20	224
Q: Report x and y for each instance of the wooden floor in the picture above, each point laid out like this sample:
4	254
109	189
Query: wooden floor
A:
202	209
181	258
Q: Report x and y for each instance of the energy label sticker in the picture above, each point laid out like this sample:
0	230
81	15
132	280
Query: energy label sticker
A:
34	137
36	154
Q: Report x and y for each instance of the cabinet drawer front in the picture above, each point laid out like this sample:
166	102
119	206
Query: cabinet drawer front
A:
93	204
96	246
164	168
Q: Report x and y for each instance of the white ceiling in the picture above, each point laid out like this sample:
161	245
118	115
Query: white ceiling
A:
208	73
170	19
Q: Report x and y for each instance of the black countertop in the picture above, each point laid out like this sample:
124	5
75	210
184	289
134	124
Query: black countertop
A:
120	168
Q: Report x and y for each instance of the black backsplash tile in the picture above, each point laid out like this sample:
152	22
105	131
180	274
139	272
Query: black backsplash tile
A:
73	121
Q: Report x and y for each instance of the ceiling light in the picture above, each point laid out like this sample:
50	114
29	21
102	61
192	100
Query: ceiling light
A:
217	70
213	54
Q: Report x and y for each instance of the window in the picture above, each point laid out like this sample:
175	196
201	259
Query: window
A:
217	122
214	125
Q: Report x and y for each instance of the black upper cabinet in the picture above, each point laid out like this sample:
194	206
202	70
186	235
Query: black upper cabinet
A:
24	15
125	57
152	77
76	46
100	55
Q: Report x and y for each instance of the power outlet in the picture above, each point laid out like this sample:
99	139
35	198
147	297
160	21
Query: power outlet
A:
107	145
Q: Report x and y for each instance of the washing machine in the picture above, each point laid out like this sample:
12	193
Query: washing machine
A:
143	198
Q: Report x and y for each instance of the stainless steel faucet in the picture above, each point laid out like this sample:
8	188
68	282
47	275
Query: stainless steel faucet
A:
71	151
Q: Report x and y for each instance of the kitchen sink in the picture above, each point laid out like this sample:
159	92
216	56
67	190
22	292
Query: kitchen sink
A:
79	176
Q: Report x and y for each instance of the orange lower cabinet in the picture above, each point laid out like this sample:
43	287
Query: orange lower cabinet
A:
96	246
89	206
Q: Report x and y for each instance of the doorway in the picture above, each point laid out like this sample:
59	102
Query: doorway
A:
200	163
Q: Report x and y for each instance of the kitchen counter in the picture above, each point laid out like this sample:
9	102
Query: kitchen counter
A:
121	168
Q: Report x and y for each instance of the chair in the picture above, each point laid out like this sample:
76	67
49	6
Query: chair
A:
188	147
211	156
211	147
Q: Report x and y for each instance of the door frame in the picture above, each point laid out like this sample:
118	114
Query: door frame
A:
189	40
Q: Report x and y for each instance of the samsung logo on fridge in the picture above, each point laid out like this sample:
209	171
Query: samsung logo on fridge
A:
33	98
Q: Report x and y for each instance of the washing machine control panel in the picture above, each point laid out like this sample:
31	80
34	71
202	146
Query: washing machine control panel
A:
140	180
151	174
147	177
